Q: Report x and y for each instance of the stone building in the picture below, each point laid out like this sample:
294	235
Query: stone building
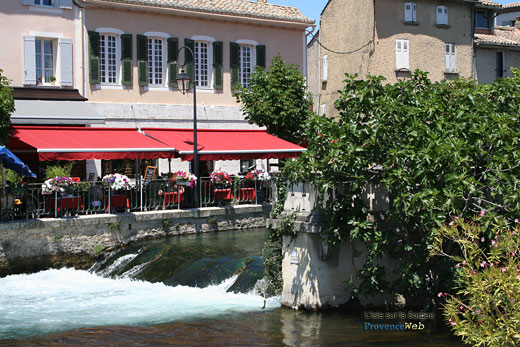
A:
120	58
392	38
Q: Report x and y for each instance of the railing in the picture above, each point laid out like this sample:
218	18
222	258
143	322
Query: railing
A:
29	202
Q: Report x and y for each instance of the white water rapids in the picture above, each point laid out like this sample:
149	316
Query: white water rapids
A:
57	300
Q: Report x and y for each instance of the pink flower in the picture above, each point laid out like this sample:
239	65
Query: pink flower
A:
517	221
451	224
503	269
482	213
458	266
440	295
483	264
494	243
518	277
482	239
463	262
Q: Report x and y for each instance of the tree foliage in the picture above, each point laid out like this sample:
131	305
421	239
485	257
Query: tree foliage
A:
6	107
277	99
485	309
442	149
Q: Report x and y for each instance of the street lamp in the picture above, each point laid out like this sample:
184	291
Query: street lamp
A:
183	82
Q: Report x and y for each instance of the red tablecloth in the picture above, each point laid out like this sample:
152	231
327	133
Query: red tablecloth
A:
223	194
73	202
172	198
247	194
118	201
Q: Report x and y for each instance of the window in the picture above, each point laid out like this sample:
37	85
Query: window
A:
442	15
402	58
482	19
410	12
451	57
500	64
155	61
44	2
325	68
108	62
245	65
202	64
247	165
323	109
45	58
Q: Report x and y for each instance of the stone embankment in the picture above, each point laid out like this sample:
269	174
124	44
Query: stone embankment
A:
33	245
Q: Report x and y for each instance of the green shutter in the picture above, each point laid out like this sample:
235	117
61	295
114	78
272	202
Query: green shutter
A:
93	39
126	46
173	48
234	61
142	60
189	59
127	67
172	74
142	48
218	79
142	72
126	60
260	55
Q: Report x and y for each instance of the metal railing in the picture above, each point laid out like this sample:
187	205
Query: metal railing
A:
28	202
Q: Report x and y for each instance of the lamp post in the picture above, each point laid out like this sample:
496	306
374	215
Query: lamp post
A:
183	82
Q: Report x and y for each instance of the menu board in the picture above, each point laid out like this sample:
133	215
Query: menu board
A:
149	173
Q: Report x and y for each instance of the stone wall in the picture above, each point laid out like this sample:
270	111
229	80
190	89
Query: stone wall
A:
33	245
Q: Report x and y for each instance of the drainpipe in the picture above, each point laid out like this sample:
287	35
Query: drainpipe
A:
474	47
83	43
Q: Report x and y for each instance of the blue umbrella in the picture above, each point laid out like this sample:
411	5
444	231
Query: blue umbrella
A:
11	161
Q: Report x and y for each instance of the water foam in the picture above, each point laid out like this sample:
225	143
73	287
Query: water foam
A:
56	300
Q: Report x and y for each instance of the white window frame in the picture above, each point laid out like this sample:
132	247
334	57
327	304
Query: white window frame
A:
410	12
62	59
196	63
441	12
117	34
151	61
247	43
450	53
40	3
325	74
55	67
402	54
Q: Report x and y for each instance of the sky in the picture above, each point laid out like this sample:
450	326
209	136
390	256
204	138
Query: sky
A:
313	8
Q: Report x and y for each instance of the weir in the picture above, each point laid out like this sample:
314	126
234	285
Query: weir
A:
33	245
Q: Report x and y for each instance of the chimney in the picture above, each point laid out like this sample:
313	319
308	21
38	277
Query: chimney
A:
262	1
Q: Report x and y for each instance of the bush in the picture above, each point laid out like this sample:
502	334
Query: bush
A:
59	170
440	149
485	310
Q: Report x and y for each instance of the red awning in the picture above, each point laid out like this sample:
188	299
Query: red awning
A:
220	144
75	143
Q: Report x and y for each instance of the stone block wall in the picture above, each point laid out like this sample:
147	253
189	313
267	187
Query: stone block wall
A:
33	245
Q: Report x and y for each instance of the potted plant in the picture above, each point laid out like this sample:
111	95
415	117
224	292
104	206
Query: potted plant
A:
62	185
220	179
52	79
116	181
184	178
261	175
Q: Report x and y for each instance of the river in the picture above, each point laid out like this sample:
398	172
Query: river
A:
177	291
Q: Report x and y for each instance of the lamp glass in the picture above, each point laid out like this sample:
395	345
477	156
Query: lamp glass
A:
183	81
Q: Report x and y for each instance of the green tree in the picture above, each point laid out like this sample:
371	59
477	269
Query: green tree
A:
440	149
277	99
6	107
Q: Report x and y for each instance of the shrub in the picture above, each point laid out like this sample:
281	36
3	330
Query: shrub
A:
485	308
